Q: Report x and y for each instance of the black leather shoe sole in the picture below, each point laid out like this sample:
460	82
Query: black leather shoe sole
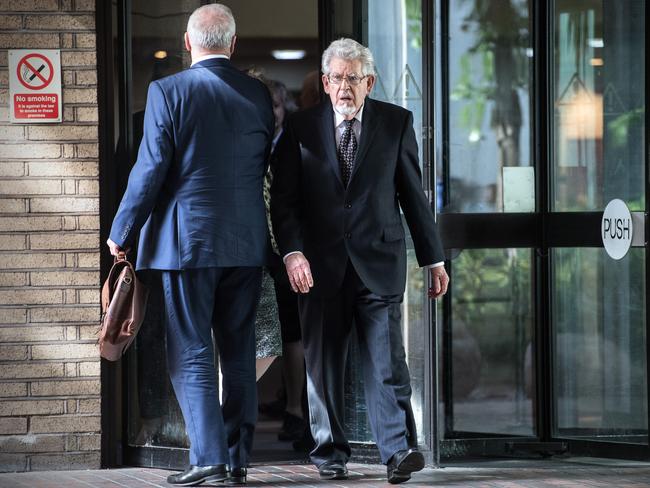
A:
334	476
413	462
397	477
235	481
217	478
333	471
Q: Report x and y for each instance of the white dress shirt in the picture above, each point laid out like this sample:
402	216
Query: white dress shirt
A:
208	56
339	126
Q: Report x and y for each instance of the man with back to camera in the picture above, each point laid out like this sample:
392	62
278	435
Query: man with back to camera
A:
344	170
196	193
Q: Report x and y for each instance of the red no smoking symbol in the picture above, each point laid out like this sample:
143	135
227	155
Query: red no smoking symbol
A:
35	71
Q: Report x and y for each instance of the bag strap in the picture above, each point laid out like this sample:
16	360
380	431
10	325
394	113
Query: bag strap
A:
119	262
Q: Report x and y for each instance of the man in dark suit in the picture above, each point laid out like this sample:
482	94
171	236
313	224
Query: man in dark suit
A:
196	193
343	171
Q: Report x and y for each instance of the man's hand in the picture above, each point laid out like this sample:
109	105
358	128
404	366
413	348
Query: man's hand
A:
299	273
439	282
114	248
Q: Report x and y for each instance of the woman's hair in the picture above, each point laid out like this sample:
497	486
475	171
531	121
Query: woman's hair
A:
276	88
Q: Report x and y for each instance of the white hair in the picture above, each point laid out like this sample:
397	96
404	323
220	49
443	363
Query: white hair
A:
211	27
350	50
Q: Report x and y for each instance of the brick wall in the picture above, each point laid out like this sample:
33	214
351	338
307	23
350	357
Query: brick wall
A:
49	251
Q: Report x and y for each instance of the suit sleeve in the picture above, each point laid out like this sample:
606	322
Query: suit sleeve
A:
149	172
286	193
416	208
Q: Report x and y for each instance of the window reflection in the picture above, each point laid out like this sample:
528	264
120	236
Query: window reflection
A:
599	379
598	92
157	43
157	47
489	344
490	69
395	39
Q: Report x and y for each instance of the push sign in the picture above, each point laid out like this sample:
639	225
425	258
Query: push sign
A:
616	229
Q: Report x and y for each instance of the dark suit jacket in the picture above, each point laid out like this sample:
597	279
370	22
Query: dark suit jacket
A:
314	213
196	188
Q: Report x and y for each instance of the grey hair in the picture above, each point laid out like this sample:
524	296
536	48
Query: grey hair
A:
350	50
211	27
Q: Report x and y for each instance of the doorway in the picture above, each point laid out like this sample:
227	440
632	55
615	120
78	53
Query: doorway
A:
148	44
142	424
528	128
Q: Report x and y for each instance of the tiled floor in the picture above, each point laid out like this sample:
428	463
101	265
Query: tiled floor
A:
572	473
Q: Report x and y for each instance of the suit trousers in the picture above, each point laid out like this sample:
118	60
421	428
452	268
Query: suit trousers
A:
201	304
327	323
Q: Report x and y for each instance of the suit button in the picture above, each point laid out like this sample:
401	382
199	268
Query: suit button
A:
347	205
348	235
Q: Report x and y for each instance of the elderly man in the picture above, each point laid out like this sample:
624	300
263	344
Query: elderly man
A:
196	193
344	170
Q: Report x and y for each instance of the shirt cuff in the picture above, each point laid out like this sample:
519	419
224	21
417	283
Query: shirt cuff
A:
434	265
284	259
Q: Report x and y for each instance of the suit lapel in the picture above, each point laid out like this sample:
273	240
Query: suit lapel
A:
368	129
327	136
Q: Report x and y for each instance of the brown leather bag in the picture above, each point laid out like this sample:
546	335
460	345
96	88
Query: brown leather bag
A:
124	299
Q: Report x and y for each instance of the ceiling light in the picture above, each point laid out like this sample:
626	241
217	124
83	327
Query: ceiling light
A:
285	54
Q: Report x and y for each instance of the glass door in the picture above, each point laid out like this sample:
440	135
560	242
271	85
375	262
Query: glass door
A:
395	33
540	122
598	146
154	431
487	179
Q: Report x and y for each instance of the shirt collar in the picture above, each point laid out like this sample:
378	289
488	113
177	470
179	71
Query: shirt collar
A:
338	118
209	56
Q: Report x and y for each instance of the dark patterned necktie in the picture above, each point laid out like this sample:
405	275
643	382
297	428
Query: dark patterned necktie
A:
347	151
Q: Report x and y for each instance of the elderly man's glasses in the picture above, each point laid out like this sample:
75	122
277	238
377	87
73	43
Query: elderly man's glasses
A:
353	80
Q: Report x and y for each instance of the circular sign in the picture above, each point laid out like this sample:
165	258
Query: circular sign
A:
35	71
616	229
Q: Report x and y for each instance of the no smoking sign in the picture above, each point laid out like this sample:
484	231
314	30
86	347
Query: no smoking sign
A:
35	85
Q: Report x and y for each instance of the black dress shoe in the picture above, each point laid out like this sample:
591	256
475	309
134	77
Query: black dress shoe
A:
333	470
195	475
402	464
237	477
